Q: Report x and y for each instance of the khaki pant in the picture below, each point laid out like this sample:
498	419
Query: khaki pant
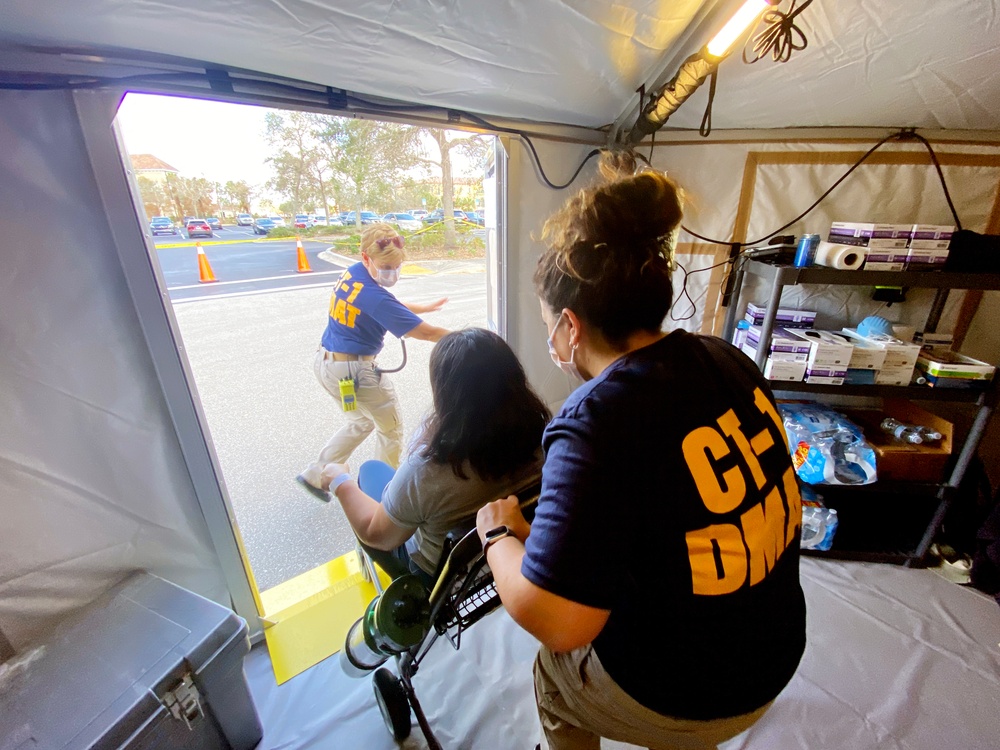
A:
377	409
578	703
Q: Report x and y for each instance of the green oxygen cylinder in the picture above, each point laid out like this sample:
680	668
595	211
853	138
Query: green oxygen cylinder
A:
392	624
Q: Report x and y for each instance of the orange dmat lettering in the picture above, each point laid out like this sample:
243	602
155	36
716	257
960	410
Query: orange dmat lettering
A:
717	498
718	559
727	556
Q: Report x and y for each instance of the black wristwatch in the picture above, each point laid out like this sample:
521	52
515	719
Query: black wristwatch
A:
495	535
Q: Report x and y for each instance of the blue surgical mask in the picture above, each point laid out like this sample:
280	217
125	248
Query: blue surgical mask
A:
569	367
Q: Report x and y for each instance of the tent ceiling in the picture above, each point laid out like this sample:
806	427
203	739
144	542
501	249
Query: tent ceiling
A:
568	61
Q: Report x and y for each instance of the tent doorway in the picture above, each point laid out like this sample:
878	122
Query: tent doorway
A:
248	298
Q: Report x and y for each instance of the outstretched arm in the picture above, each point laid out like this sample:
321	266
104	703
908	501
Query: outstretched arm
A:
426	332
367	516
420	309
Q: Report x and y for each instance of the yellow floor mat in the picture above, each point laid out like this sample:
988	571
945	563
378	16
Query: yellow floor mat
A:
307	618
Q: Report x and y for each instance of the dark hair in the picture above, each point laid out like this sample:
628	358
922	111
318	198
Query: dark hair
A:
484	410
608	251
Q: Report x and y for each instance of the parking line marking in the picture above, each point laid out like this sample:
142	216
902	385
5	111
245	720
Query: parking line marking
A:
314	274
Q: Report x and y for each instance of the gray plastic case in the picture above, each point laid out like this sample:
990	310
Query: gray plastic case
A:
147	666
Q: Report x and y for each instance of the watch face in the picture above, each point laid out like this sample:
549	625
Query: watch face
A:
499	531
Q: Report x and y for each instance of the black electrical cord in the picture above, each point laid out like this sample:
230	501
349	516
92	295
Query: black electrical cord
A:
902	135
780	36
706	121
97	81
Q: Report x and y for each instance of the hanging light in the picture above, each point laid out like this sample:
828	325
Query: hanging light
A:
748	14
696	70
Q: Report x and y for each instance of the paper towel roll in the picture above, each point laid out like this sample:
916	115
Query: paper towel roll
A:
844	257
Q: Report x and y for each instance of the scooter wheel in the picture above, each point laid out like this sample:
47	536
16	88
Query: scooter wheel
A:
392	703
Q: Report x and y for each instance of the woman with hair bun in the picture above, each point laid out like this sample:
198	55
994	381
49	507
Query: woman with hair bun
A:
661	573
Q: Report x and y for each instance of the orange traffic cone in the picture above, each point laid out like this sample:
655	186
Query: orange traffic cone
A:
303	260
204	269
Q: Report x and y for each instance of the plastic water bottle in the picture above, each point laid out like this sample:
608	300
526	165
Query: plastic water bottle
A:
818	527
929	434
902	431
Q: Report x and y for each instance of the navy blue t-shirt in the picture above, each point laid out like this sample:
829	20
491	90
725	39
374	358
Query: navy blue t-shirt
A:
361	312
669	498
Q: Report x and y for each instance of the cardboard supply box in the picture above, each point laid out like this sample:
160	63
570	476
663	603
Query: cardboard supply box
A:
898	353
948	364
782	340
931	341
826	349
869	231
897	460
785	317
865	355
886	255
789	371
931	231
927	255
833	375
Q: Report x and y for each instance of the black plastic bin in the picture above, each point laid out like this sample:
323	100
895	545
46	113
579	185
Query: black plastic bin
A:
149	665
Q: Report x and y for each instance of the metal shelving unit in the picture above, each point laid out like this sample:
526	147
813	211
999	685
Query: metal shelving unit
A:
892	508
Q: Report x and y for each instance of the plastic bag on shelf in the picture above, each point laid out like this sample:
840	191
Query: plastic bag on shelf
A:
826	447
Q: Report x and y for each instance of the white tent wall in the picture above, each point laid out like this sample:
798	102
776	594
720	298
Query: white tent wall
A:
93	483
786	177
530	203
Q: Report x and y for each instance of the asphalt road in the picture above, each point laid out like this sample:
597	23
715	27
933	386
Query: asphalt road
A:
240	261
252	356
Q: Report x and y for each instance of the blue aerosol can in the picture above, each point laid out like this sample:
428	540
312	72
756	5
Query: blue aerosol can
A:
805	253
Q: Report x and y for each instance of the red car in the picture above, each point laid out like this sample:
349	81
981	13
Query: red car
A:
198	228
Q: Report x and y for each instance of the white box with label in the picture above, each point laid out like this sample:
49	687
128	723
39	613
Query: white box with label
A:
826	349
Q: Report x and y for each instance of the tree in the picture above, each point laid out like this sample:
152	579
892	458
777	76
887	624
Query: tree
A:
296	162
368	156
474	148
154	198
237	196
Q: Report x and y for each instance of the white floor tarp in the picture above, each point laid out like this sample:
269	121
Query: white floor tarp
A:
897	659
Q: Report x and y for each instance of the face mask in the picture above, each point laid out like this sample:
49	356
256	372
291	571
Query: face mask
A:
570	367
387	276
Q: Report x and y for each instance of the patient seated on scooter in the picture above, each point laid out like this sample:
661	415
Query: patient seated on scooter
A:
480	441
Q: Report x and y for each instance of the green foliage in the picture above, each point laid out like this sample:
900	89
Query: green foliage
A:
284	232
433	239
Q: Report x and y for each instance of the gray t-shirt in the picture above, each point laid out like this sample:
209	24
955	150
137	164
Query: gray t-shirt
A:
427	496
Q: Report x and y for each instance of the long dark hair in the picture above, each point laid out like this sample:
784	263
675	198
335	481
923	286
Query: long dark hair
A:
484	410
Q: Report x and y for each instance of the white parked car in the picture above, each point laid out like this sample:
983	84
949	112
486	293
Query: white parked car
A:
244	220
319	221
418	213
278	221
409	222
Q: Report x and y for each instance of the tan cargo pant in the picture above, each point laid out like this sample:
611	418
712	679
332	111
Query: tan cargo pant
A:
377	409
578	703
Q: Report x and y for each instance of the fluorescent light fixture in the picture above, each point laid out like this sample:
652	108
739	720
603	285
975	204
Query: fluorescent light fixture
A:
695	71
740	22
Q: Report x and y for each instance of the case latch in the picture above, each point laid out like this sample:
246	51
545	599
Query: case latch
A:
184	702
